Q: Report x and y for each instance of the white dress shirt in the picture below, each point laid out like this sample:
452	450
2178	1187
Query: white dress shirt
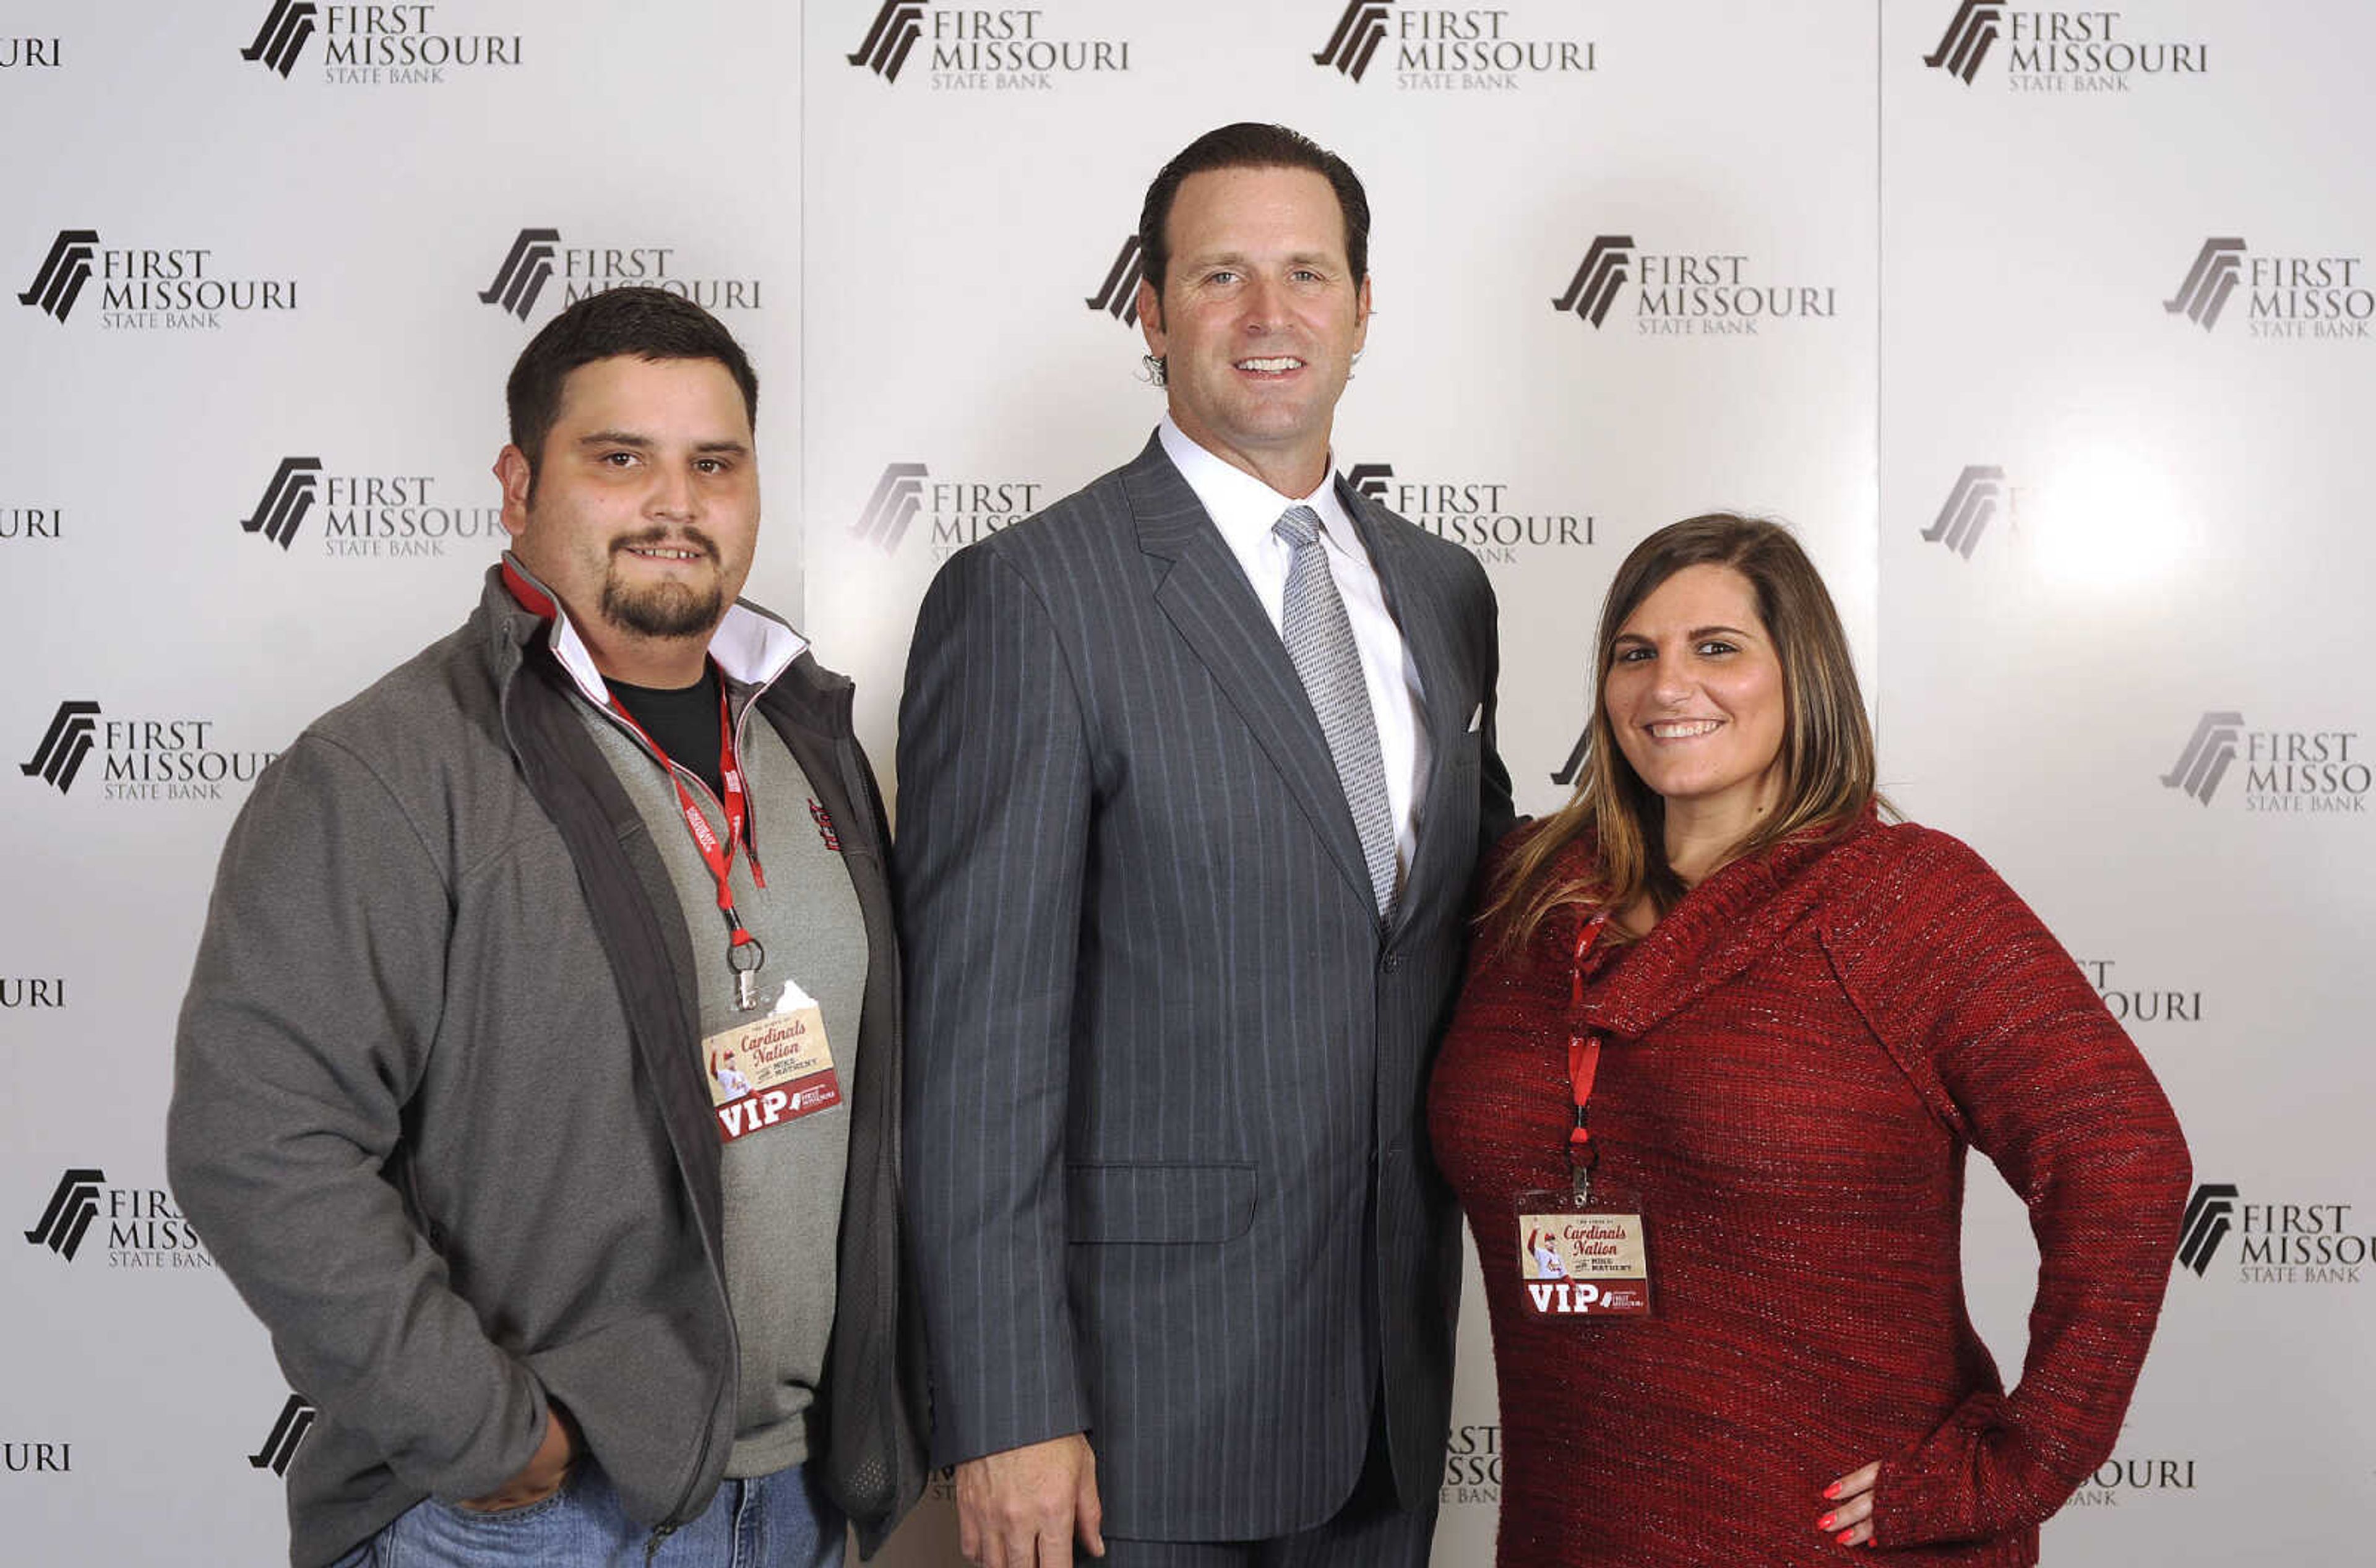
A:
1244	509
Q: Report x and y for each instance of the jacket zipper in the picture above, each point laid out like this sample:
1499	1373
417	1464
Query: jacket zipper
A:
742	733
709	1433
717	1273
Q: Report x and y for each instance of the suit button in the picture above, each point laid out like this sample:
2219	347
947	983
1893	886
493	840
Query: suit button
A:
1394	961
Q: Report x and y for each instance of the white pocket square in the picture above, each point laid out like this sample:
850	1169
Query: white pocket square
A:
1476	719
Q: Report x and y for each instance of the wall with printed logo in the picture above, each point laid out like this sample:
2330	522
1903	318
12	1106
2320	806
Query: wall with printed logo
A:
2049	330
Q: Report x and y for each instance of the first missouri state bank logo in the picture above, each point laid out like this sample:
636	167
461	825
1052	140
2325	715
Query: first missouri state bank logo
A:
289	1430
898	496
2206	1225
143	1227
538	255
891	38
63	273
1440	50
527	268
1700	292
1118	296
63	745
1475	512
2059	50
958	512
148	286
1971	505
2297	296
2277	1243
2209	751
374	45
1472	1465
377	515
287	498
1968	40
1355	43
1594	288
973	50
73	1204
32	54
141	759
2218	266
283	38
2298	772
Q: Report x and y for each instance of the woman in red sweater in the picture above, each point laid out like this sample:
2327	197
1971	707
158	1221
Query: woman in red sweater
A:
1785	1022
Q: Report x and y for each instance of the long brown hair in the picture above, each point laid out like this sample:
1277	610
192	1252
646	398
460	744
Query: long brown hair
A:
1827	760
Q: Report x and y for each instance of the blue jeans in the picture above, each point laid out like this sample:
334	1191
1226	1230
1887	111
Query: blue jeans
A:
778	1521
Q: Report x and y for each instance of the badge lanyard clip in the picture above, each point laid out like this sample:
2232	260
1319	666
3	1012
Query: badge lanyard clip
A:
744	955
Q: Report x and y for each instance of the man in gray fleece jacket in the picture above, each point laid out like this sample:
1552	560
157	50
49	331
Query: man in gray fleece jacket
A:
538	1083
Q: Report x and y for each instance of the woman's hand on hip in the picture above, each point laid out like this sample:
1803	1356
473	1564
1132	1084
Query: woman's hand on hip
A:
1849	1520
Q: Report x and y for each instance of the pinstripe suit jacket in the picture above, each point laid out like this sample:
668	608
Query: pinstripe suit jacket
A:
1167	1158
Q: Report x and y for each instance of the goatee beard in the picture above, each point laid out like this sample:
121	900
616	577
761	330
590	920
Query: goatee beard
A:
663	610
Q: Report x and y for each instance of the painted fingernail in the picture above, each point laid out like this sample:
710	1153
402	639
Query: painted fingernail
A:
1832	1491
1843	1537
1825	1522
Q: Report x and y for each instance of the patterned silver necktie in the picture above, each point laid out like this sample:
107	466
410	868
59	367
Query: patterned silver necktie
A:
1319	638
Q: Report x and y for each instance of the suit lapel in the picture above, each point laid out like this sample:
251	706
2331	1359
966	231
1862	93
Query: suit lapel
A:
1430	644
1212	606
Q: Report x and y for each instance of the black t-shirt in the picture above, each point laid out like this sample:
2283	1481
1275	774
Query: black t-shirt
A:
683	723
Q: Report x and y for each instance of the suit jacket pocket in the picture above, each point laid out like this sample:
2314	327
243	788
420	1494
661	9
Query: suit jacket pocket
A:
1158	1203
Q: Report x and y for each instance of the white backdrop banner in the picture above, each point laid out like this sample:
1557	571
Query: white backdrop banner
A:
2048	331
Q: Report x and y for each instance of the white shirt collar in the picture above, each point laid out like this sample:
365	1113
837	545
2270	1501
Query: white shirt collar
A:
1243	506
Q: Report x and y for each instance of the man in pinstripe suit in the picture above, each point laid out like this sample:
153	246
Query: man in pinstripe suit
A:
1178	964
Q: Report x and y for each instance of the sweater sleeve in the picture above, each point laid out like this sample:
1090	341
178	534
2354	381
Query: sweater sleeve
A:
2022	1059
318	988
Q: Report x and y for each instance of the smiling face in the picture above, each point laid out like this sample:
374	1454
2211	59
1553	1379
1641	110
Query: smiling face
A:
1694	694
1257	319
644	513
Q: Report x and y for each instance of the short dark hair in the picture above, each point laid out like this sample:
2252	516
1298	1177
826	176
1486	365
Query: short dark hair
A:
649	324
1248	145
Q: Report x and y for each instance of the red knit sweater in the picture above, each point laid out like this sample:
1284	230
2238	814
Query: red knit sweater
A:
1797	1058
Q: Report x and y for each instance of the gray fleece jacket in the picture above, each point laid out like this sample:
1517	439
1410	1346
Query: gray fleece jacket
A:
438	1112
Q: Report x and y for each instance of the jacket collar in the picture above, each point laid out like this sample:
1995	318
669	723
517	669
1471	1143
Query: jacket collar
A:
751	645
1205	593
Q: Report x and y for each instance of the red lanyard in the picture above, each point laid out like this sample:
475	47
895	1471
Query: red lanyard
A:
744	955
719	857
1583	1059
